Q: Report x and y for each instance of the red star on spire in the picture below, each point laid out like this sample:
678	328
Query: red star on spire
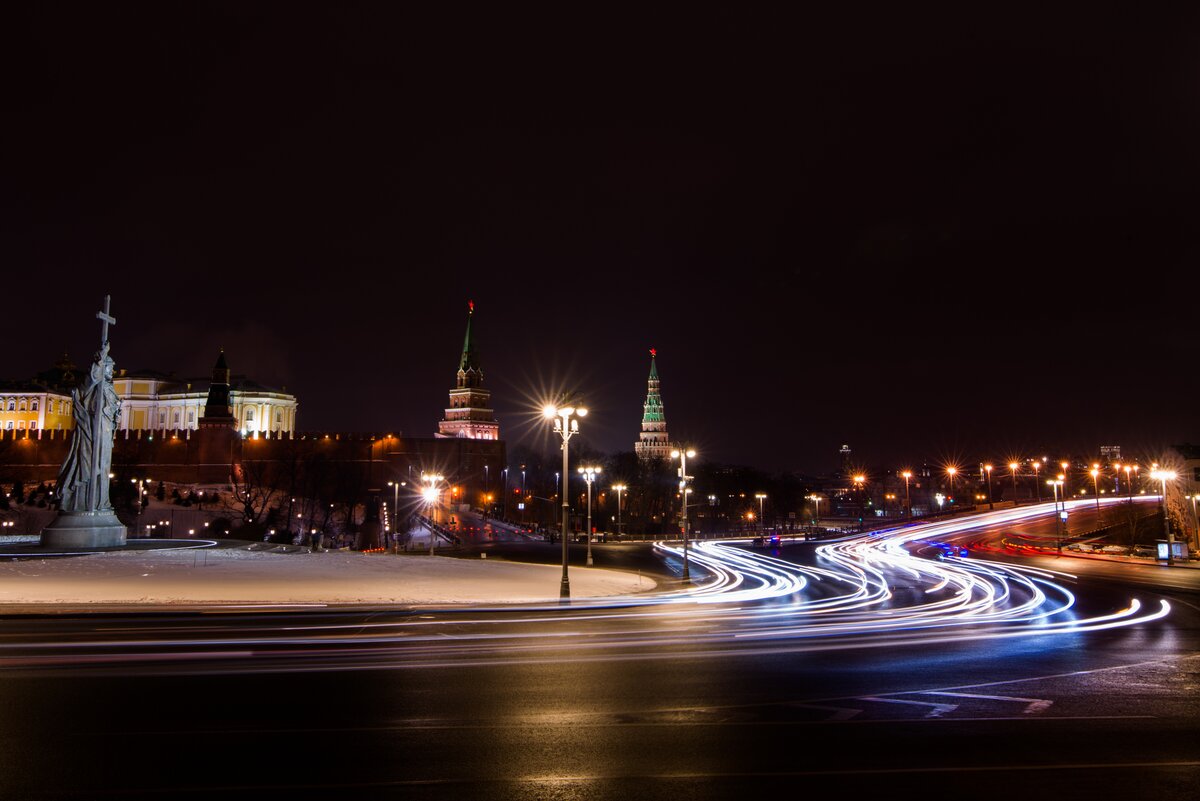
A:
653	352
471	306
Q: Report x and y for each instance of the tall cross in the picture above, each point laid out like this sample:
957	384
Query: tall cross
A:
106	318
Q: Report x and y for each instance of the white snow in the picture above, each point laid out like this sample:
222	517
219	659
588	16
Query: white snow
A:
242	576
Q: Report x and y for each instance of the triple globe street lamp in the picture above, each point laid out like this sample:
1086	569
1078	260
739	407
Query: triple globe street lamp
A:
566	424
619	488
589	474
683	455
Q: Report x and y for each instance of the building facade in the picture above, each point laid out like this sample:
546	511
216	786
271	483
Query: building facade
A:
470	414
150	401
29	406
653	442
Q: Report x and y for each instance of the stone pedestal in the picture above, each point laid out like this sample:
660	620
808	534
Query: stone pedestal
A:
84	530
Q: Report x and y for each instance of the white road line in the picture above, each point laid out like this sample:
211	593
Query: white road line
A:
937	711
1036	705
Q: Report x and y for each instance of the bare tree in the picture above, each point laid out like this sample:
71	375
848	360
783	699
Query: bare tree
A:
253	491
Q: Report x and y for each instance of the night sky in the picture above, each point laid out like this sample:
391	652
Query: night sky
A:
930	236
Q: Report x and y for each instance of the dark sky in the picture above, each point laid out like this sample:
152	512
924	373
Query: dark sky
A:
927	235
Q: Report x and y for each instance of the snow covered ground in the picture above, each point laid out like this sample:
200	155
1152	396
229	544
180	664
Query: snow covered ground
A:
241	576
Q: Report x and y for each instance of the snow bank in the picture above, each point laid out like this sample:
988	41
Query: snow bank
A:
242	576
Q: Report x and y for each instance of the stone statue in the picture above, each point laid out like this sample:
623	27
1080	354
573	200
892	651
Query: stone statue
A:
85	514
83	481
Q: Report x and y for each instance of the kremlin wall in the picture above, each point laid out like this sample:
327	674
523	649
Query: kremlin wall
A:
220	451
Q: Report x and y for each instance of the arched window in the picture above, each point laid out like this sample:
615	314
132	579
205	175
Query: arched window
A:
249	415
191	417
162	419
175	420
278	417
22	408
12	406
33	405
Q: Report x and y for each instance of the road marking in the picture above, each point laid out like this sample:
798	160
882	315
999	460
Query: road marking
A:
1036	705
937	711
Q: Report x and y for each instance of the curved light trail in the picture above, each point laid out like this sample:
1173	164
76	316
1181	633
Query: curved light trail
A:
897	587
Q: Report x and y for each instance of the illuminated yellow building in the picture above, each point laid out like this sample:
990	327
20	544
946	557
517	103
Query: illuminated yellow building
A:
150	401
30	406
153	401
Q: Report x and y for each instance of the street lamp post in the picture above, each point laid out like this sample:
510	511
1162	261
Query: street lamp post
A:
991	502
1096	484
1056	483
859	480
505	472
951	471
816	499
907	474
566	425
682	455
619	488
1195	519
430	493
589	475
1037	464
761	521
395	485
1164	476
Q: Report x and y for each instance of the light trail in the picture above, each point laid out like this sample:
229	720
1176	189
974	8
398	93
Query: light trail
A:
869	591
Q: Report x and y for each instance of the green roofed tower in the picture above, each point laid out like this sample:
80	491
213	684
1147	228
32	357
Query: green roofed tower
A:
470	414
653	442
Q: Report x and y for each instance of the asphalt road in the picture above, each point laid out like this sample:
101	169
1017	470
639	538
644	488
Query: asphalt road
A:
589	702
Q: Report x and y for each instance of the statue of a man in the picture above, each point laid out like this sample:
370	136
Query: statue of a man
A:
83	481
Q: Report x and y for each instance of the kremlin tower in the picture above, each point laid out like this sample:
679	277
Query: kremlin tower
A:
653	442
470	414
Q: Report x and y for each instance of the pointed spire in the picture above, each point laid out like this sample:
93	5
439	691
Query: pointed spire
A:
469	360
653	442
217	406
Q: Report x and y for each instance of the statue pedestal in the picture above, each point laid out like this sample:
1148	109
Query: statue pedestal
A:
84	530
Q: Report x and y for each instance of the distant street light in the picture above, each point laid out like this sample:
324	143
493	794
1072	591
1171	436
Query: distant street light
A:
682	456
951	471
859	480
566	425
907	474
1095	471
761	497
430	493
1012	467
619	488
1056	483
1037	486
816	499
991	503
1195	518
395	514
589	475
